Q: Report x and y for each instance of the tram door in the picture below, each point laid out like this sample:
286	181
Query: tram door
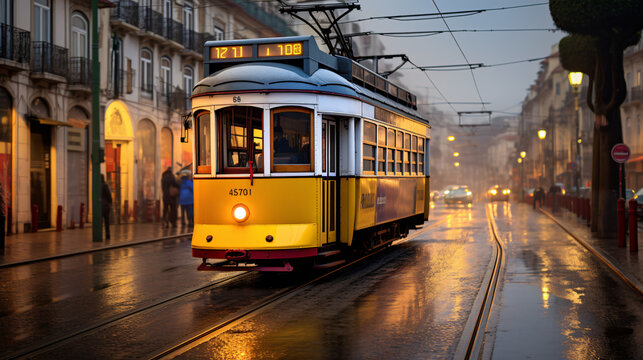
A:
329	181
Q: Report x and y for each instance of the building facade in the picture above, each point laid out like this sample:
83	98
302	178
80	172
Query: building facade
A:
150	54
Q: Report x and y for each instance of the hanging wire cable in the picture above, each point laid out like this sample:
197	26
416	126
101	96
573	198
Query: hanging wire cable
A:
434	86
475	83
441	15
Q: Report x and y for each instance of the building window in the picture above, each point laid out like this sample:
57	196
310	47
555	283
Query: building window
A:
6	108
557	88
6	12
219	34
203	148
79	38
188	16
241	140
146	72
638	78
292	134
188	84
166	76
368	148
41	21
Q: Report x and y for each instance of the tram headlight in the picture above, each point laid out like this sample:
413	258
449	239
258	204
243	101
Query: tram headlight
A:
240	213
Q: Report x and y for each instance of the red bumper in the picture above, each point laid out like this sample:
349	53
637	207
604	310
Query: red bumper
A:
245	255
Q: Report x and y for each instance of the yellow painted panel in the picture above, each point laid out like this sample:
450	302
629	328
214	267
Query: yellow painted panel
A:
270	201
347	206
420	196
253	237
365	202
427	194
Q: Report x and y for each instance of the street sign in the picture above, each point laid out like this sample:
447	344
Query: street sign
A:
572	165
620	153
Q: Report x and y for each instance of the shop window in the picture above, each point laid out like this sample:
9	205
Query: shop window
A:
241	140
292	134
203	146
368	148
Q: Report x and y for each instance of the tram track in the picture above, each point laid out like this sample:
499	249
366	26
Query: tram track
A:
44	346
248	312
94	250
471	342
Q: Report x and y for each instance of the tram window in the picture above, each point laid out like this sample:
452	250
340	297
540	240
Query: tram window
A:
390	144
242	138
414	154
407	148
203	145
292	134
421	156
381	150
368	156
332	133
399	145
324	147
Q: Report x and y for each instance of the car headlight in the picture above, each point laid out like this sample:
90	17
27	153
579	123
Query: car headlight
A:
493	191
240	213
469	193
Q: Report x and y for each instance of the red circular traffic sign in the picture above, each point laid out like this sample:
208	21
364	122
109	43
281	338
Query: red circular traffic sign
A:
620	153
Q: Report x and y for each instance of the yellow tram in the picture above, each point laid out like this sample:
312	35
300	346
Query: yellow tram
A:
301	157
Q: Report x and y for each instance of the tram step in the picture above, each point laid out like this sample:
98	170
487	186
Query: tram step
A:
330	264
329	253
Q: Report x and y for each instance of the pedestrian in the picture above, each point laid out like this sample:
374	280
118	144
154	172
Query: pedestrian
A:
539	196
553	191
186	197
106	199
170	194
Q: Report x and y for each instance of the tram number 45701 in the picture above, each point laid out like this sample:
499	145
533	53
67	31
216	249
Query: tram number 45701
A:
240	192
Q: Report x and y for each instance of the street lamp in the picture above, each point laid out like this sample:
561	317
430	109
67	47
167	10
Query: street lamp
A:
456	164
456	154
541	135
575	79
451	138
523	154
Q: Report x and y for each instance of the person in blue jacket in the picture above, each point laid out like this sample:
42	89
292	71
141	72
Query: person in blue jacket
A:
186	197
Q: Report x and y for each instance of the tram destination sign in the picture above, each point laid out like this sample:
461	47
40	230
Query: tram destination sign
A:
620	153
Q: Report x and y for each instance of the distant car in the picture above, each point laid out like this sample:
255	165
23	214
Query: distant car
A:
529	192
639	201
435	195
498	193
458	195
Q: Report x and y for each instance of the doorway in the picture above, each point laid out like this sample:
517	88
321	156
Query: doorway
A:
41	172
329	181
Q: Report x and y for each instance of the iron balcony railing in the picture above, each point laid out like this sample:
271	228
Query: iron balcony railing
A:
636	93
14	43
80	72
127	11
120	82
49	58
165	91
150	20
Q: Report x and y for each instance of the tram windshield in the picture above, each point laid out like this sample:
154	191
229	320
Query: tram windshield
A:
242	140
291	139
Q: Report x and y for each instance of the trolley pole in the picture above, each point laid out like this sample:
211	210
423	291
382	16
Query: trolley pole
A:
97	224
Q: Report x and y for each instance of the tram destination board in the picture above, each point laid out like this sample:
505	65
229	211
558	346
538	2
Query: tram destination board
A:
231	52
288	49
251	50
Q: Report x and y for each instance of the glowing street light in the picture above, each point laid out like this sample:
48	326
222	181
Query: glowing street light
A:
456	164
523	154
575	78
456	154
519	160
542	134
451	138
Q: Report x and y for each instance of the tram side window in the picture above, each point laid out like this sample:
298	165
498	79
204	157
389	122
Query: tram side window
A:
399	145
203	146
421	156
381	150
242	139
368	148
407	148
390	150
292	134
414	154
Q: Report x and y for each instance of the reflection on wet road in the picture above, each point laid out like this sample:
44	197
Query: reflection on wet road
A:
410	302
558	301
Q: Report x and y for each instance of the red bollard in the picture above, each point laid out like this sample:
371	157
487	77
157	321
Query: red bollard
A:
135	214
34	218
82	216
620	221
9	220
634	231
59	218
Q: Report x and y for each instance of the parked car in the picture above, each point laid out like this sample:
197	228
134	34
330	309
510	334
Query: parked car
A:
498	193
458	195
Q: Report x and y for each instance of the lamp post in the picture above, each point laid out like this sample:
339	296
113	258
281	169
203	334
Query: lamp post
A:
541	135
575	79
523	154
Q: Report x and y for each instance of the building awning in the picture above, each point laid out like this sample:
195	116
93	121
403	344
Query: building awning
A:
46	121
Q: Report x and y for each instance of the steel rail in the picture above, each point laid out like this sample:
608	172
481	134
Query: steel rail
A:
42	347
632	283
89	251
471	342
251	311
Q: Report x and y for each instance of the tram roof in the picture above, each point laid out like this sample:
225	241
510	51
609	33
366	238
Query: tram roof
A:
274	76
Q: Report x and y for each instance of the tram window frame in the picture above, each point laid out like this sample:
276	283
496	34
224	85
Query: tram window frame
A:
249	137
199	138
421	141
399	146
292	167
381	150
407	152
369	146
414	154
390	151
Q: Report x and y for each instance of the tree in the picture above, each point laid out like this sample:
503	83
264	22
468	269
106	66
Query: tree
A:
599	32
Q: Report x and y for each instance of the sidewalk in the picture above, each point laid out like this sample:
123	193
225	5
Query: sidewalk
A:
43	244
629	264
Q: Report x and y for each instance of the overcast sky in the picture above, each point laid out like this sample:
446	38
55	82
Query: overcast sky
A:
504	87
